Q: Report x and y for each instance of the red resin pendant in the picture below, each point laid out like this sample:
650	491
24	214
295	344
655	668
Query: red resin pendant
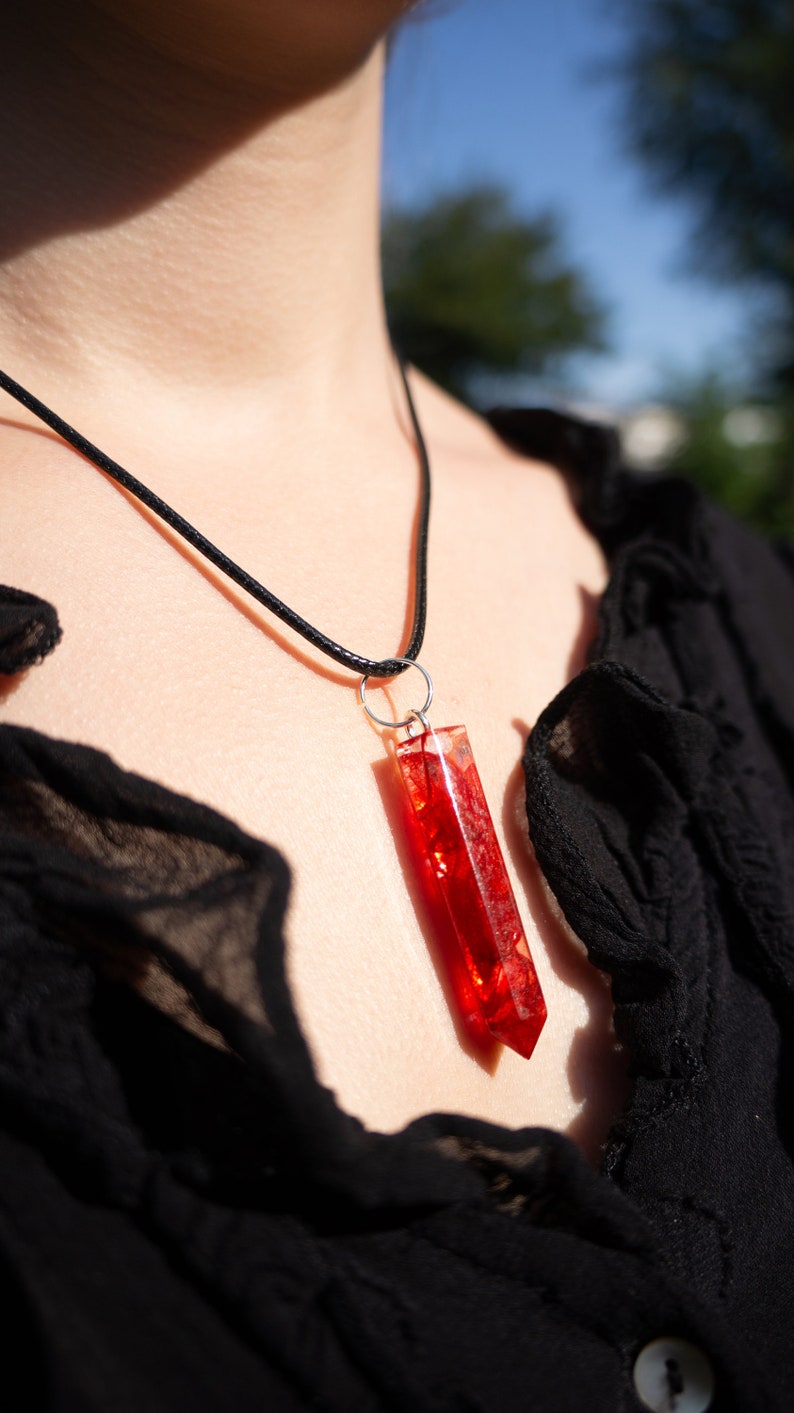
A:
468	886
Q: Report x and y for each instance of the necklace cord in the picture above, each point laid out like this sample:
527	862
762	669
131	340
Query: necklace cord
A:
369	667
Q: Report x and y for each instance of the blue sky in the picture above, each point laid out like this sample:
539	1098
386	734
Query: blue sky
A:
507	90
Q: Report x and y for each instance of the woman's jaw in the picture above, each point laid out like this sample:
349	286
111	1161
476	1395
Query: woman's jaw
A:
183	227
284	51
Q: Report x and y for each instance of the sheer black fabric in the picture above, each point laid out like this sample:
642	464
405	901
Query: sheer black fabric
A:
188	1220
29	630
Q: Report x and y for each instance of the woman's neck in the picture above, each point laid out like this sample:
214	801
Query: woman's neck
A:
177	231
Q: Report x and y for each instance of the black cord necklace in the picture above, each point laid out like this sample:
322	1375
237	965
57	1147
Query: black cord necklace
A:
457	855
389	667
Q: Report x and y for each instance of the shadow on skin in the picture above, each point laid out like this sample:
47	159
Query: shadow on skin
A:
91	174
585	648
10	683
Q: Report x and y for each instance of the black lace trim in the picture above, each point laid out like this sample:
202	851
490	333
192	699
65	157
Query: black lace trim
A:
29	630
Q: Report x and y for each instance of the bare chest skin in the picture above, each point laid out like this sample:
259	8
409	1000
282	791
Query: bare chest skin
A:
188	683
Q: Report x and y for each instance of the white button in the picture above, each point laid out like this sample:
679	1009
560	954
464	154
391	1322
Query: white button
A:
673	1376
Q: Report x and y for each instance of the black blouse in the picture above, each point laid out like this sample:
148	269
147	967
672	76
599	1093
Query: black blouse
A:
189	1221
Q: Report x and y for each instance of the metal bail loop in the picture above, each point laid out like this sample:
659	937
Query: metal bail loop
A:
423	722
416	714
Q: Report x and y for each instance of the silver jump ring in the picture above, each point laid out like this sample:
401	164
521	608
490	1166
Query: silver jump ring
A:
412	715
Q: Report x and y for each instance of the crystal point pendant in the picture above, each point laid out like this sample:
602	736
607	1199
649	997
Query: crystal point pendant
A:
451	826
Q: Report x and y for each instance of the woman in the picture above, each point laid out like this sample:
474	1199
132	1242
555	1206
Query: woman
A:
191	1215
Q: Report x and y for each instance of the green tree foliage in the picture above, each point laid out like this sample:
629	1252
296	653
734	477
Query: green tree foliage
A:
709	88
731	447
472	287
